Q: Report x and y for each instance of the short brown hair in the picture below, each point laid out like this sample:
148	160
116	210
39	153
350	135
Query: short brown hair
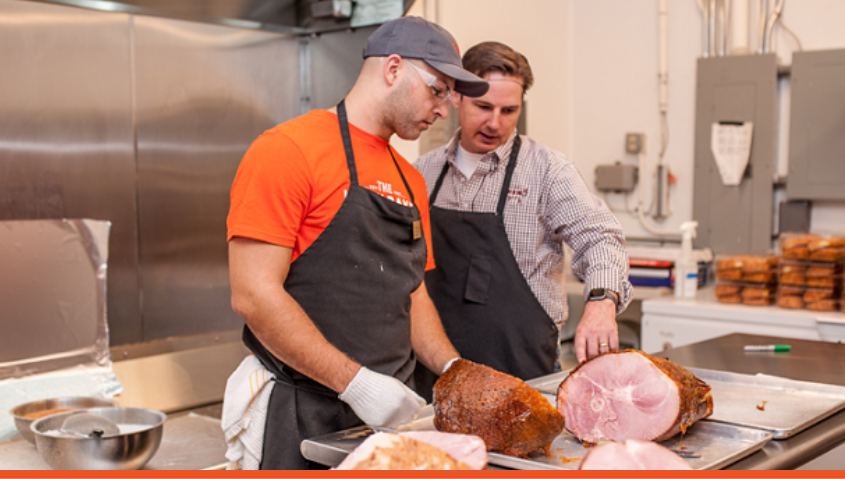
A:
489	57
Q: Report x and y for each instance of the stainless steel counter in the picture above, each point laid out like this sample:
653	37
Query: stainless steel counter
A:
815	361
189	442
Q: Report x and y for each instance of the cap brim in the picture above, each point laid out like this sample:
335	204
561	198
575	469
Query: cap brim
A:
465	82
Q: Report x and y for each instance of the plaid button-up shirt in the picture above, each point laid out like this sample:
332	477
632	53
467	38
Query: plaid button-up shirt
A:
548	204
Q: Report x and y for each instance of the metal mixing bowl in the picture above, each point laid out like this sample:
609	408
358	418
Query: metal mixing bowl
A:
125	451
21	411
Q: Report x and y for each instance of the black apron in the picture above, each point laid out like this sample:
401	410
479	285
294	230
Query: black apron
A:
355	283
487	308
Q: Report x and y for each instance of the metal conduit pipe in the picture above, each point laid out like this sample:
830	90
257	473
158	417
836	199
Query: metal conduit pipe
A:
771	25
723	17
711	45
761	24
640	207
663	75
663	52
739	24
705	38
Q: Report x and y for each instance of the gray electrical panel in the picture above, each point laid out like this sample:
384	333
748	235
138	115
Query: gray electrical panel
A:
817	126
735	219
616	177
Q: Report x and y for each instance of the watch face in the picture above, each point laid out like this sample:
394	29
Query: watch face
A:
599	293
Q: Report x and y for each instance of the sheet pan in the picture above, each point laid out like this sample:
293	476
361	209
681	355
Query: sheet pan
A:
782	406
714	445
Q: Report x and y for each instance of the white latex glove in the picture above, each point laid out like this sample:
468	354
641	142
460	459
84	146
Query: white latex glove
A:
449	365
381	400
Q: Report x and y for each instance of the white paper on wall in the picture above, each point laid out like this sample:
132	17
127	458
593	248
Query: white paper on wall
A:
731	147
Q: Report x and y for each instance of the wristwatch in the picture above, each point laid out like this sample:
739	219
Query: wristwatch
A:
599	294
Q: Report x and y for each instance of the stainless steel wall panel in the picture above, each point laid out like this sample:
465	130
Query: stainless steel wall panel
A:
336	60
66	134
204	93
142	121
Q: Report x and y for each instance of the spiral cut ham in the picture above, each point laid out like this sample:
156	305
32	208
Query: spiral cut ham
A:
630	395
510	416
633	454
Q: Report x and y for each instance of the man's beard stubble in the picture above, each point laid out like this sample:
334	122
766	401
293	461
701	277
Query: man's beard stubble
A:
400	114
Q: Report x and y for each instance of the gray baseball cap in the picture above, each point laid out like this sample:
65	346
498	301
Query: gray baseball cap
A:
415	37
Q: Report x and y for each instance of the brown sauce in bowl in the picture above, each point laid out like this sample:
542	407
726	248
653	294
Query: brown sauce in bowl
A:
46	412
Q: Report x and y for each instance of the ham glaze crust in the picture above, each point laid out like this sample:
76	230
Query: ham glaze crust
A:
510	416
631	395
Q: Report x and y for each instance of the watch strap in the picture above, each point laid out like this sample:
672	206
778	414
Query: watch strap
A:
599	294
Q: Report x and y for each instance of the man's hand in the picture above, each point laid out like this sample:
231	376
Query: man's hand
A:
381	400
597	332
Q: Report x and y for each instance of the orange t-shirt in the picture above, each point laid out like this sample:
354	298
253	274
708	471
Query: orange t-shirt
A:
294	178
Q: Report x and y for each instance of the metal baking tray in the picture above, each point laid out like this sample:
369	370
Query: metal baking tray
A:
548	384
711	445
782	406
331	449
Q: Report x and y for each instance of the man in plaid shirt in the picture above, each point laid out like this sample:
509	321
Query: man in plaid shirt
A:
502	205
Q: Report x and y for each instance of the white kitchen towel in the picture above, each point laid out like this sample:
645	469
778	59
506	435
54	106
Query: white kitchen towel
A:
245	413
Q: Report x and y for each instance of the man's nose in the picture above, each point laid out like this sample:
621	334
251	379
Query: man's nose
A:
442	109
493	120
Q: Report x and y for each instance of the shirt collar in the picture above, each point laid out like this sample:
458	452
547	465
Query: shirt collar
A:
503	151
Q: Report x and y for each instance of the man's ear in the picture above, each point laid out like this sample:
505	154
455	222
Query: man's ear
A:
392	65
456	100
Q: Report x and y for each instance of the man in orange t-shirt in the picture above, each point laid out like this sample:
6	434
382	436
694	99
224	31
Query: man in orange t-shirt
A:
292	181
329	239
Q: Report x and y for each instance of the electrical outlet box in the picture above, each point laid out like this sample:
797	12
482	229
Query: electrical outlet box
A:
617	177
634	143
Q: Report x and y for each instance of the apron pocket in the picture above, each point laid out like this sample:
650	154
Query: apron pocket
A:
478	279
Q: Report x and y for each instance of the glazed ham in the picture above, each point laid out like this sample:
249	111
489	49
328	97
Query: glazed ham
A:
633	454
397	452
631	395
510	416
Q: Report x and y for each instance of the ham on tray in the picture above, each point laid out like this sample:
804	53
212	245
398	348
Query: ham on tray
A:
630	395
633	454
510	416
428	450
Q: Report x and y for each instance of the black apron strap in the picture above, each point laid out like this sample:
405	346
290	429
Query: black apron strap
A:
407	186
438	183
347	143
503	195
350	154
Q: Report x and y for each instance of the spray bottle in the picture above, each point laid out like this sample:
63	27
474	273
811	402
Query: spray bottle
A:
686	268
